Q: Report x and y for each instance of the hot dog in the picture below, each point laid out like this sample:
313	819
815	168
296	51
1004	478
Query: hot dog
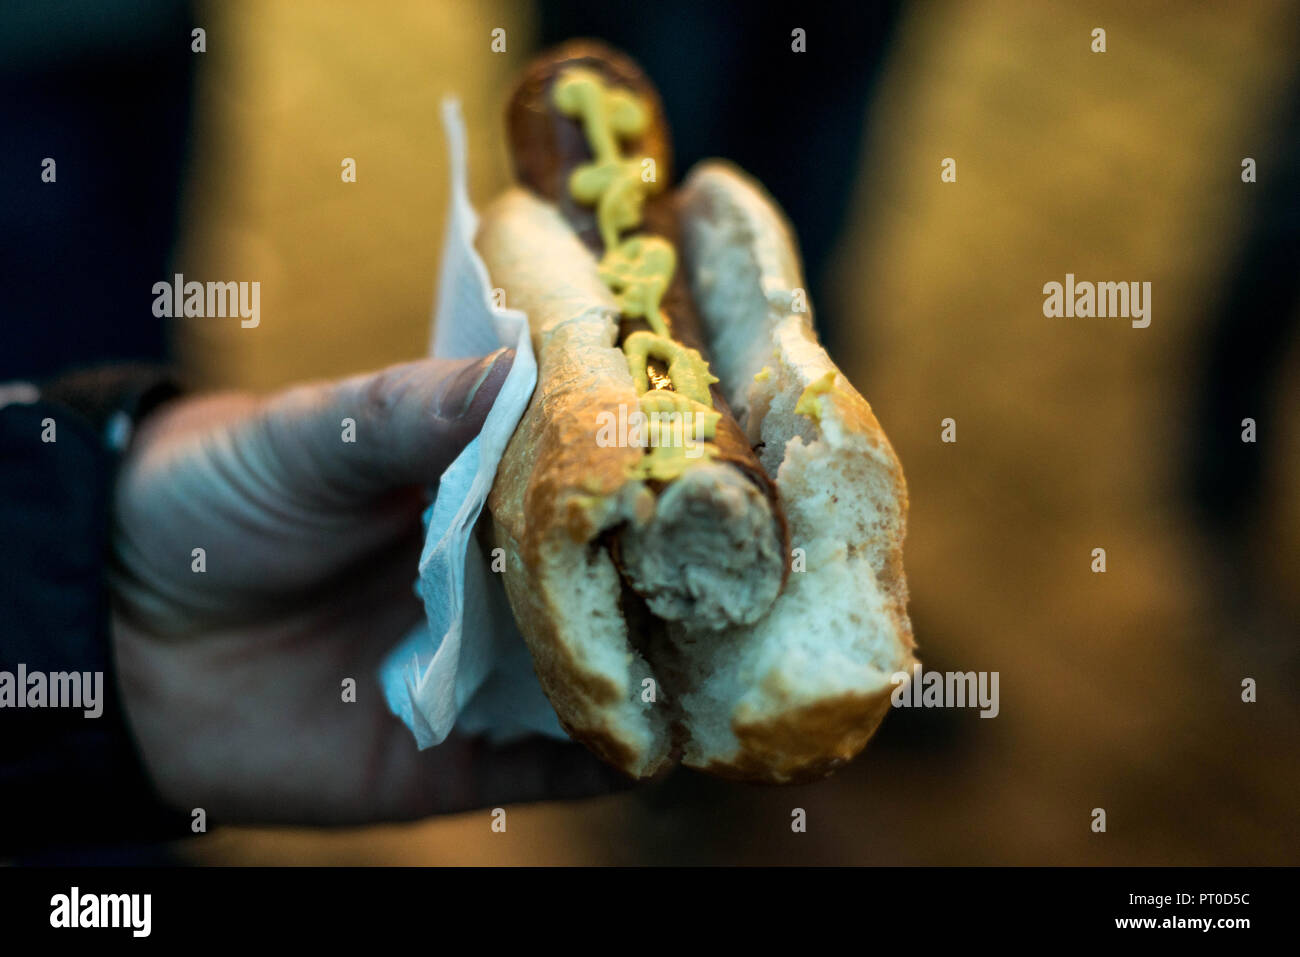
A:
730	593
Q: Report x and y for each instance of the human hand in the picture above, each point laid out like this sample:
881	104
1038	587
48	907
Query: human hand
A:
231	678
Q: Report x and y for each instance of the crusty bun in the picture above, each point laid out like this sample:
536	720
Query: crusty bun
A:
556	491
799	692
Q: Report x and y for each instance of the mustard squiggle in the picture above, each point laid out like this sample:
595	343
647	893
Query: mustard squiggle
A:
639	269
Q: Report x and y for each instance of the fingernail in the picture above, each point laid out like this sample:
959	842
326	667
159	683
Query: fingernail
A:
459	393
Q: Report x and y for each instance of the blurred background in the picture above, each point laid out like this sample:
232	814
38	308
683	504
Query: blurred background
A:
1119	690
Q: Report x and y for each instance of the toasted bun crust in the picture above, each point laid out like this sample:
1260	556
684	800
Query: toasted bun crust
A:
556	491
792	696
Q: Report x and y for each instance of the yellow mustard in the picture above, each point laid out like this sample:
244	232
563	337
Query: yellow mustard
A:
638	270
808	403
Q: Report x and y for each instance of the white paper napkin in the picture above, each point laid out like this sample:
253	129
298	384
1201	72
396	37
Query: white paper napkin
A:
468	666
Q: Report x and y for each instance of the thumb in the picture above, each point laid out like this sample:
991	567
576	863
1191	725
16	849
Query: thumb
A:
348	441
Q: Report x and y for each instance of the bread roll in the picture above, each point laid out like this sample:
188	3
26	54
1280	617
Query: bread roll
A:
798	692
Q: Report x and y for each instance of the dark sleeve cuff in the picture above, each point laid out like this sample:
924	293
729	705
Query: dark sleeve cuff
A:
112	399
69	769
